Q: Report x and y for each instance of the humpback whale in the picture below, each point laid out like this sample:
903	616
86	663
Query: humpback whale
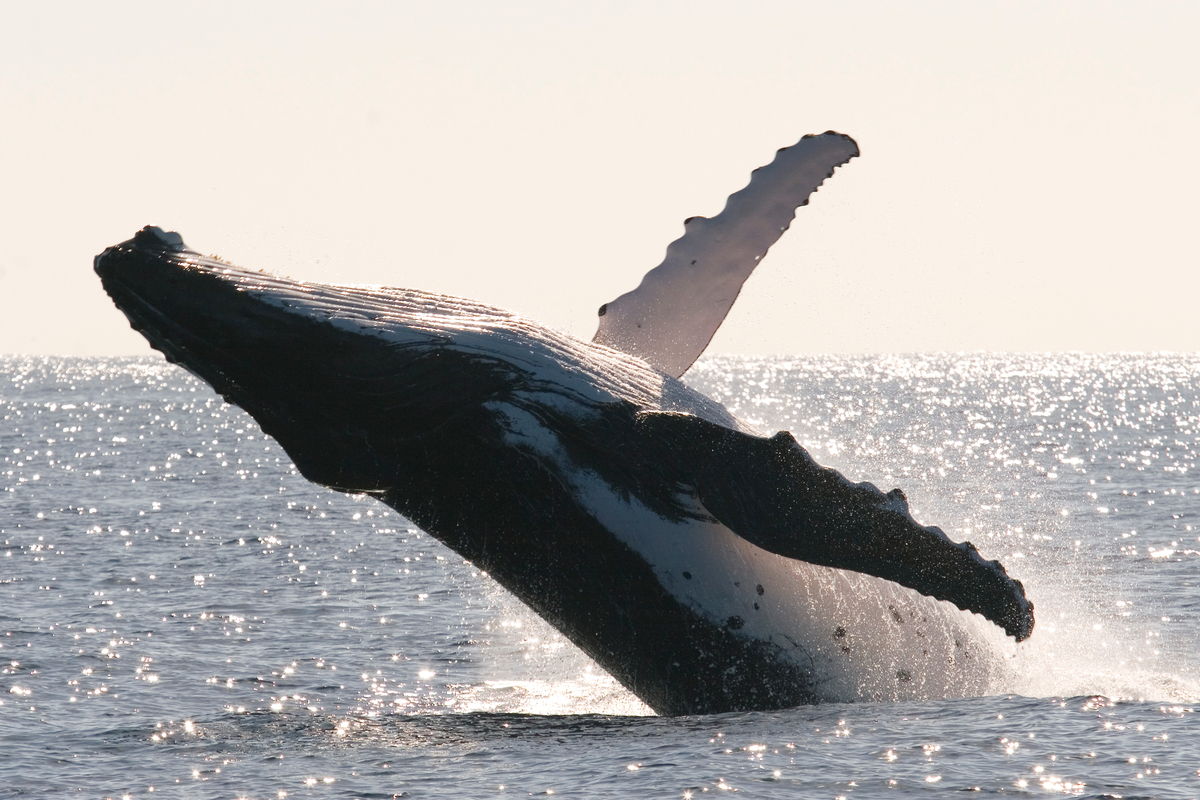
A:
707	567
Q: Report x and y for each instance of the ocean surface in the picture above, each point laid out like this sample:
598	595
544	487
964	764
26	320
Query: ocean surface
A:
184	616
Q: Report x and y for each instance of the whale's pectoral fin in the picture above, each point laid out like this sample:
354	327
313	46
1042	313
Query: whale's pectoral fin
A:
773	494
672	315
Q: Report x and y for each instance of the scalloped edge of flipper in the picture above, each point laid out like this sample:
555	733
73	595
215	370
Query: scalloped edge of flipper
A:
772	493
778	153
674	346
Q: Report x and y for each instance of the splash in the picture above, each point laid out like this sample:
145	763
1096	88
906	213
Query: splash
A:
1075	470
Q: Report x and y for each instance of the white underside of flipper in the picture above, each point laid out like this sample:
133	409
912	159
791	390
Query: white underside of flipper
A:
670	318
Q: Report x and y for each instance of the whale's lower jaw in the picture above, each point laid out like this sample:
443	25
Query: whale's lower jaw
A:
538	480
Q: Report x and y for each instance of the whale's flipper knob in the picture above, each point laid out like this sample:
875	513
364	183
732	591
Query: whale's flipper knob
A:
167	240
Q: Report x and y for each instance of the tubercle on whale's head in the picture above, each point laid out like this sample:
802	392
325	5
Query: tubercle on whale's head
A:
150	237
166	239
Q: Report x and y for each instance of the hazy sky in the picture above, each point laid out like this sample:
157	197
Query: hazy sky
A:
1028	178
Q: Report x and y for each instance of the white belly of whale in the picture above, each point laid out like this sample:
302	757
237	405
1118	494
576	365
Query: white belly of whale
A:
859	638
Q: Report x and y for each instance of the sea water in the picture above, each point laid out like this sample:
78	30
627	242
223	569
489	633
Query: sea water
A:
183	615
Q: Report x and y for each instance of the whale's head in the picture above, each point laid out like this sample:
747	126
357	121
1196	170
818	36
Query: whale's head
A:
341	376
344	375
196	310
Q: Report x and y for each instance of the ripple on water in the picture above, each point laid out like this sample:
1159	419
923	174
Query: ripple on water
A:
183	611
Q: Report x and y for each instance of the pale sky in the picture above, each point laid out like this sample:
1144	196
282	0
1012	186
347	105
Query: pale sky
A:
1028	178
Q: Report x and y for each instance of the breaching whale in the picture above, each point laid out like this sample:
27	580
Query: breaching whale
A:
706	567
